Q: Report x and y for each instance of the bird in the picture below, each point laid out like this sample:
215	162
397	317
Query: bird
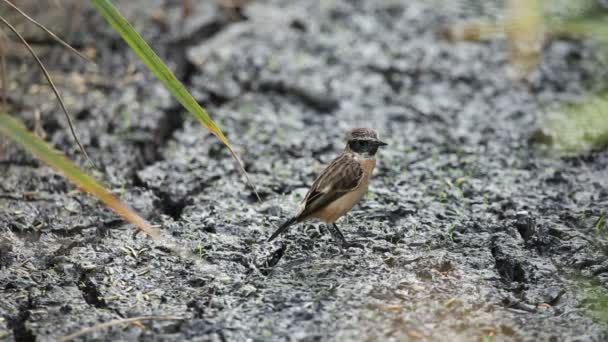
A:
340	185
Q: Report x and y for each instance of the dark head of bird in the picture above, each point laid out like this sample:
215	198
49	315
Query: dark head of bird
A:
364	141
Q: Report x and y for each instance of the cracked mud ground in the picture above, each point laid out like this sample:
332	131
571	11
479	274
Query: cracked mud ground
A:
468	232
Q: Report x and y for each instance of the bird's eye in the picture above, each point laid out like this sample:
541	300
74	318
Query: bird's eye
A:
358	145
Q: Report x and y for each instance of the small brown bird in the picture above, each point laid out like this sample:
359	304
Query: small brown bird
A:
341	185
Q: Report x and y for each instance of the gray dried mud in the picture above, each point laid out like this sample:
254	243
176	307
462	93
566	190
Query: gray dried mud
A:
467	233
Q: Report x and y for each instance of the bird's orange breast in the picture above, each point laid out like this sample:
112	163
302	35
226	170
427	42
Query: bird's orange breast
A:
342	205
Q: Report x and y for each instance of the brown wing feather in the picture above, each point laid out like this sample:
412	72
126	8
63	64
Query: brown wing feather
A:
342	175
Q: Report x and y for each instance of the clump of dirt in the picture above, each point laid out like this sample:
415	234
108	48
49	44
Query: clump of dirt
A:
467	231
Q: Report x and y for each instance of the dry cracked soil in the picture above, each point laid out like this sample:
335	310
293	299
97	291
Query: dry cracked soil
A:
468	232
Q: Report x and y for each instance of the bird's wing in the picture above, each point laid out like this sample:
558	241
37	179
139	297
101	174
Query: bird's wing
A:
342	175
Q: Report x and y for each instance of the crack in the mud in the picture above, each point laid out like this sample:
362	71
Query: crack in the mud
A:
171	122
171	207
166	204
90	293
21	332
27	233
172	119
322	102
24	198
15	162
389	76
508	266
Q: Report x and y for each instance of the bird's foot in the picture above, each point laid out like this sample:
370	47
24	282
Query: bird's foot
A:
353	244
338	237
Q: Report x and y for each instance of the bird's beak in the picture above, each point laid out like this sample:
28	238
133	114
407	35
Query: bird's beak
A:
381	143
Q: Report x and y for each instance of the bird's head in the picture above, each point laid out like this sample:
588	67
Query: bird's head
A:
364	142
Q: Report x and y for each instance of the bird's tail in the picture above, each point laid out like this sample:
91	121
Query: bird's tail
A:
283	228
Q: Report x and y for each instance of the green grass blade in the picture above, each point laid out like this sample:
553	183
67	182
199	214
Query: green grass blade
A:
156	65
17	132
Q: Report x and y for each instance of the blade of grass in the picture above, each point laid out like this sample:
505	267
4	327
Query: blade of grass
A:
50	80
49	32
156	65
17	132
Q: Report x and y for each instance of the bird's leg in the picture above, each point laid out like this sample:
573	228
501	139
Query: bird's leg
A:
337	235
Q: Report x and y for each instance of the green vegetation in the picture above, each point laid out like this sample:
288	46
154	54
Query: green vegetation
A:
596	298
575	128
600	224
451	229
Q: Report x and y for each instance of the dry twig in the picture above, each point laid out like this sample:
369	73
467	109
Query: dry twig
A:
114	322
49	32
50	80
